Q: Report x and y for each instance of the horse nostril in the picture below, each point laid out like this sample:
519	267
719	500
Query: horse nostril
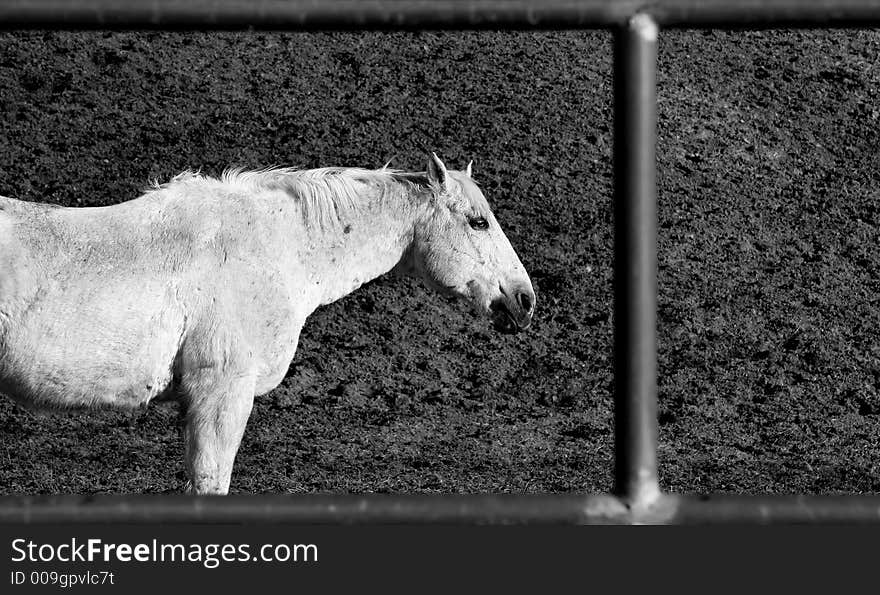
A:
525	301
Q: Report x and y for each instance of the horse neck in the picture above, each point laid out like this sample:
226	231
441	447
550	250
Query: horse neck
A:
364	244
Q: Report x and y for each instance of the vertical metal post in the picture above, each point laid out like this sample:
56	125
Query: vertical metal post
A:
635	261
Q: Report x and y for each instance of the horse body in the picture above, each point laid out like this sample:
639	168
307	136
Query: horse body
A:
200	288
101	300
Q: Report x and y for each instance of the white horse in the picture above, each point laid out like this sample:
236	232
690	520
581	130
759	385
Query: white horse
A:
198	289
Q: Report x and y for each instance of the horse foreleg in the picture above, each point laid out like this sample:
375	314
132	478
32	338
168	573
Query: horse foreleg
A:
217	413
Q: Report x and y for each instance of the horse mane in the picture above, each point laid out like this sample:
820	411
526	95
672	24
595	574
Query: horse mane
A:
324	194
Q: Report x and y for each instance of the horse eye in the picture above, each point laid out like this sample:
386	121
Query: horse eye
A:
479	223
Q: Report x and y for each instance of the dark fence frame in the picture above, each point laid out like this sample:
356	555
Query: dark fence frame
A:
636	25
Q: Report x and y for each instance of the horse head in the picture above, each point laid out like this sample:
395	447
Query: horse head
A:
460	249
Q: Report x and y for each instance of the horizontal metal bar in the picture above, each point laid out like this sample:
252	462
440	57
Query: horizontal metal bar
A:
765	13
316	508
311	14
570	509
429	14
773	509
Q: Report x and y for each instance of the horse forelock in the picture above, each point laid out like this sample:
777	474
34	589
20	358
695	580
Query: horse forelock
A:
466	194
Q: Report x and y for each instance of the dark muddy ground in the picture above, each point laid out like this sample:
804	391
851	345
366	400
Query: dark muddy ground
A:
769	187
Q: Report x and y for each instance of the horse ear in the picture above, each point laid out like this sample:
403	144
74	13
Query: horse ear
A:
469	169
437	172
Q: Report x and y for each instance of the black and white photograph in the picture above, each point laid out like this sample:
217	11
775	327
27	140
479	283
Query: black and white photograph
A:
626	259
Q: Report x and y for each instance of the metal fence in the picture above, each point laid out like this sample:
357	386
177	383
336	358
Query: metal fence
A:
636	25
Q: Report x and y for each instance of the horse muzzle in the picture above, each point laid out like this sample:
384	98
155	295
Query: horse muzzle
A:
512	311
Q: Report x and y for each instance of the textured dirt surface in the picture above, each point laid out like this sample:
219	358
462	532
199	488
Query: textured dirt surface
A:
769	186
